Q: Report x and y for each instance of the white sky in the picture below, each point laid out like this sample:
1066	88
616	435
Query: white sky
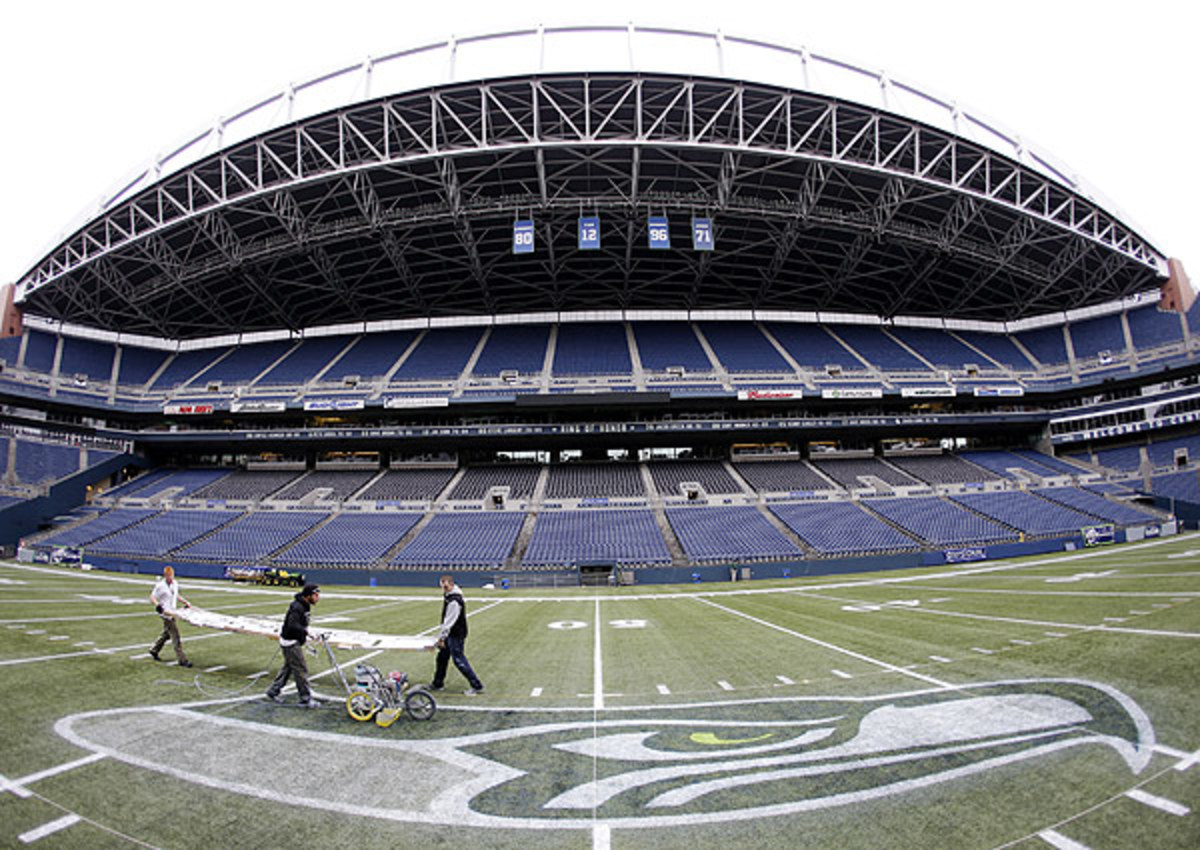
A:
92	90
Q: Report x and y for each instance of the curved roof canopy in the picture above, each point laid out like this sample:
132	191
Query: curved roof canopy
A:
388	190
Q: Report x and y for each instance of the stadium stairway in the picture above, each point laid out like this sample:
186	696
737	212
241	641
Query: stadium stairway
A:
906	532
522	542
409	537
658	508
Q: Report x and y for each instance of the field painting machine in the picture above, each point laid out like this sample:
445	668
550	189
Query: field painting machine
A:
371	695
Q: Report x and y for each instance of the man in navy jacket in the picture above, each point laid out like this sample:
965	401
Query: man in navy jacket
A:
291	643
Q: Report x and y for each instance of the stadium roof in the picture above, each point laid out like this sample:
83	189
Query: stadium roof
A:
388	191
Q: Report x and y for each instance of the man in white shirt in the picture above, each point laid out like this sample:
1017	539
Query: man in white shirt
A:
165	598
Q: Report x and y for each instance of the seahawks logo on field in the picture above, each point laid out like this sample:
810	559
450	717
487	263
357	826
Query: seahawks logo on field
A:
652	766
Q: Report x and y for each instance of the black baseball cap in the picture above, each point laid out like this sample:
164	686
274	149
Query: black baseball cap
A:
310	589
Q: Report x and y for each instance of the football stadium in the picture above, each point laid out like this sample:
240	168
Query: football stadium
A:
763	407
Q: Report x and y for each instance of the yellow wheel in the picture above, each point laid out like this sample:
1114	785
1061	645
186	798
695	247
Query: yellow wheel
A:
361	705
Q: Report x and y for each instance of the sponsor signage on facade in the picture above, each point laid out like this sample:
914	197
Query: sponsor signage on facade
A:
258	406
851	392
927	392
187	409
334	404
768	395
995	392
417	401
965	554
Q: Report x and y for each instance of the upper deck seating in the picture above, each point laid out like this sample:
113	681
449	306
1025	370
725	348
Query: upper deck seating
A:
940	523
441	354
89	357
398	485
1162	451
1100	333
783	476
1048	462
664	344
184	366
463	540
846	471
477	481
1124	458
999	347
244	364
372	356
942	469
1002	461
594	480
1151	327
741	347
253	537
521	348
305	362
138	365
342	483
1184	486
250	484
130	487
710	474
39	351
38	462
841	528
1046	344
811	346
565	538
354	539
10	349
592	348
187	480
729	534
937	346
877	348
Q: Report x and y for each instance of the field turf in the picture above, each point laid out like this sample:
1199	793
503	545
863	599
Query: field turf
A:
1043	702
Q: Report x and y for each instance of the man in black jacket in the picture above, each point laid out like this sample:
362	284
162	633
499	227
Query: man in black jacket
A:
452	637
291	642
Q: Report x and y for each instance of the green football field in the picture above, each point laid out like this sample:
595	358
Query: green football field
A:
1044	702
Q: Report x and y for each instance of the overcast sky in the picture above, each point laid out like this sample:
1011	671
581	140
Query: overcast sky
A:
92	90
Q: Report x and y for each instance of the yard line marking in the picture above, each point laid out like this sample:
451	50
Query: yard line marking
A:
723	685
261	673
85	643
36	632
827	645
59	637
601	837
1020	642
1139	613
139	657
663	689
98	651
7	784
1057	839
1160	803
1181	599
49	828
940	659
842	675
1192	759
216	669
981	650
1170	751
1160	605
1122	630
785	680
597	666
1114	619
1055	634
55	771
536	692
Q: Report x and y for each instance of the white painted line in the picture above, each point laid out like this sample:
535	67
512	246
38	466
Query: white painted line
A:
597	666
1156	802
601	837
536	692
940	659
1057	839
1160	605
723	685
1192	759
941	599
842	675
49	828
1055	634
261	673
1020	642
663	689
1181	599
36	632
930	679
1170	751
216	669
7	784
59	637
981	651
785	680
62	768
139	657
1115	619
1139	613
85	643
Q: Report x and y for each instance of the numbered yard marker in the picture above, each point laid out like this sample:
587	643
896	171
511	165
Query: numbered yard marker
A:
567	625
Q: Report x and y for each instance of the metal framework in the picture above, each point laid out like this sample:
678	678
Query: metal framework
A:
401	207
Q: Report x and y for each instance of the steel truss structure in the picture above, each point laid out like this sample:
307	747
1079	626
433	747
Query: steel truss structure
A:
402	207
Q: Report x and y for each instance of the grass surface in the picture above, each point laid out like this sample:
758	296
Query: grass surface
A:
990	705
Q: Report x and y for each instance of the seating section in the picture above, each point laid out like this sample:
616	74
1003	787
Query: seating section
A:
1025	512
942	469
38	462
595	481
88	357
138	365
187	481
397	485
1048	462
877	348
39	351
477	481
783	476
253	537
341	483
463	540
842	528
1152	328
371	357
565	538
251	484
710	474
1090	337
1124	458
939	522
350	539
846	471
1184	486
664	344
1162	452
305	362
184	366
517	347
741	347
442	353
937	346
999	347
812	346
1046	344
163	532
591	348
103	525
1001	462
729	534
133	485
1097	506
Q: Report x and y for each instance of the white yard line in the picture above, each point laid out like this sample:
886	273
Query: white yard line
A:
1057	839
597	666
1156	802
62	768
723	685
832	647
601	837
49	828
98	651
